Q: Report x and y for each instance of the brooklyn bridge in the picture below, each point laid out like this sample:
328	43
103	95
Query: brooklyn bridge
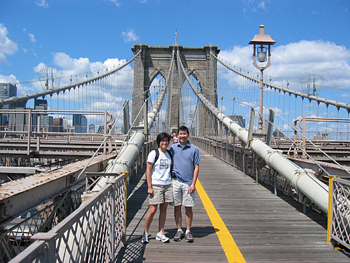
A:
273	183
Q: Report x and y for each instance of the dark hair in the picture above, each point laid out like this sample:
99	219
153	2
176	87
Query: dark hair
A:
161	136
183	128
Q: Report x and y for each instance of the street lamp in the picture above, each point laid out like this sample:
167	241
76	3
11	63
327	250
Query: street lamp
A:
262	44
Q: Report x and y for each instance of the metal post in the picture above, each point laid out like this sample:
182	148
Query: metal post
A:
304	137
330	214
38	133
260	129
234	153
256	169
275	182
111	226
243	159
251	125
105	133
126	118
270	127
126	202
29	130
51	256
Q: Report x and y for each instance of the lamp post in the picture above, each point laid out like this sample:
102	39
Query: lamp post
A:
262	45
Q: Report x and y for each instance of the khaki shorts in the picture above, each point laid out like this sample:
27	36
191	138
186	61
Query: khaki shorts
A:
181	195
162	194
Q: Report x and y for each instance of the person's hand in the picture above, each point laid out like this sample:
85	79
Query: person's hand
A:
150	191
192	189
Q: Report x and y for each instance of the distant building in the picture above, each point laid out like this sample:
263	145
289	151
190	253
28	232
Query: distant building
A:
92	128
11	121
80	123
7	90
238	119
277	134
65	124
40	104
46	121
100	129
57	125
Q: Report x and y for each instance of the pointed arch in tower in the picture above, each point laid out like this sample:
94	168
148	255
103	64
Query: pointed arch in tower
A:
155	60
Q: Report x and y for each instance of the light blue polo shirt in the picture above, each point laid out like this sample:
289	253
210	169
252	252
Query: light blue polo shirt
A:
185	158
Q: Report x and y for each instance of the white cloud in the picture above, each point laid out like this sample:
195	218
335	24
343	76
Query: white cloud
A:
67	63
262	6
289	62
32	38
7	46
8	79
253	6
42	3
116	2
21	88
106	94
129	35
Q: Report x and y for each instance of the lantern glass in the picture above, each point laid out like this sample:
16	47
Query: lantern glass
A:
262	56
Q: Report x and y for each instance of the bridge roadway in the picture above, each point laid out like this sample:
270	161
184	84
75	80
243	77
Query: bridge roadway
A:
264	227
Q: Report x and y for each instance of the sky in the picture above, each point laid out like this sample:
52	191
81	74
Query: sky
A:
81	35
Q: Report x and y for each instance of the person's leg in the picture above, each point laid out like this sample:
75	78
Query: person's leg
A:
178	217
149	218
189	202
162	216
188	217
177	191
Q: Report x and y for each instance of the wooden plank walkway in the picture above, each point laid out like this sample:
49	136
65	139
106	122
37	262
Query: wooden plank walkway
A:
265	227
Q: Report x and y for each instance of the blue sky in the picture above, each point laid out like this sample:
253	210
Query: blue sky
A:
75	36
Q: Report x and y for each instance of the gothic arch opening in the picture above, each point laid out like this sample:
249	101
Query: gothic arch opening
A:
156	60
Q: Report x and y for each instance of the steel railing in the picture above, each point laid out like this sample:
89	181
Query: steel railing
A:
339	213
16	235
92	233
245	160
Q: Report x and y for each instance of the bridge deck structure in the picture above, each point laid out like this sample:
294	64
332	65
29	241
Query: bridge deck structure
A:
247	223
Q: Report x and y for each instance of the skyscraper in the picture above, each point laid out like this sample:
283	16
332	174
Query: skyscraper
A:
80	123
13	121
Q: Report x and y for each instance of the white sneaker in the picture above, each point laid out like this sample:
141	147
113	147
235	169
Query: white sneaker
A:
162	237
145	238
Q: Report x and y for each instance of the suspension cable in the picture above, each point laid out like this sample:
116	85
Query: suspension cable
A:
337	104
57	90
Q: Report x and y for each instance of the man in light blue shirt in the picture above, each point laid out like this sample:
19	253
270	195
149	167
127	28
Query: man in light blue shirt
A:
186	159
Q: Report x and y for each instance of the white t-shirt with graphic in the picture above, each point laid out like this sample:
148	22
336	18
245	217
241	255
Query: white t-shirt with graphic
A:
160	173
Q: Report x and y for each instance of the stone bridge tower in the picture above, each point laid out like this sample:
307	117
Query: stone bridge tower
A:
155	60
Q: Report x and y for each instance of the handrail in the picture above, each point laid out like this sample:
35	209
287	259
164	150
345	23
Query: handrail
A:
339	213
102	215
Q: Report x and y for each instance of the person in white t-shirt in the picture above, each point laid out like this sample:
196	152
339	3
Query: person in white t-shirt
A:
158	174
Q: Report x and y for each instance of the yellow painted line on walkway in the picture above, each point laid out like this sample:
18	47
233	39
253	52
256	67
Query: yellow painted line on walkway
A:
206	155
232	252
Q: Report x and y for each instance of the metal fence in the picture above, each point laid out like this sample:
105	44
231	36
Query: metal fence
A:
339	213
92	233
16	235
230	150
